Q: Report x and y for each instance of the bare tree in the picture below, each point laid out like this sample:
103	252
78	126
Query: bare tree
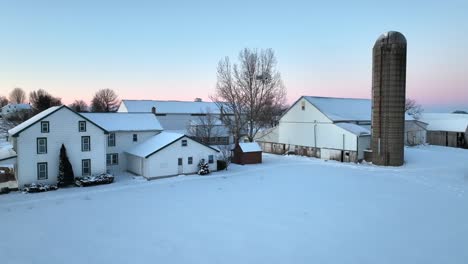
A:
225	154
41	100
249	93
17	96
205	127
413	109
105	100
3	101
79	106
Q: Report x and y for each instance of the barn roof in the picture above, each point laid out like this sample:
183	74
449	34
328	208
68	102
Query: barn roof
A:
445	122
342	109
125	121
170	107
157	143
345	109
250	147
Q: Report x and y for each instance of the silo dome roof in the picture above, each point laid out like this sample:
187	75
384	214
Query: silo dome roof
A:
391	37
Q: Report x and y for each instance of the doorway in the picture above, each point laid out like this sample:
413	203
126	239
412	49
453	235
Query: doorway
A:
180	166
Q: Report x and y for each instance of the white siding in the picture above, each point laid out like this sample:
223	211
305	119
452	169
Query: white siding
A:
63	129
363	144
122	108
135	164
123	142
311	128
165	162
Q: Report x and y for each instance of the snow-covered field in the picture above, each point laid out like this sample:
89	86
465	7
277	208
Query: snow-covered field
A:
287	210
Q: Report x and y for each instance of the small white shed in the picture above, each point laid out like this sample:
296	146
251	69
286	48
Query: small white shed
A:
169	154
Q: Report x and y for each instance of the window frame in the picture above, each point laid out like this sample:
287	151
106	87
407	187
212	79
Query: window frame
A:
184	142
135	137
46	172
79	126
38	145
111	135
42	126
109	157
190	160
83	168
82	143
180	162
210	159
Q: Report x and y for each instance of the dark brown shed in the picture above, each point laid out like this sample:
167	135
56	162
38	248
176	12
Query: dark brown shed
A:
247	153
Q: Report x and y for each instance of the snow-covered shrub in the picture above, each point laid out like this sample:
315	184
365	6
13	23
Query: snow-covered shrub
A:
38	187
103	178
4	190
203	167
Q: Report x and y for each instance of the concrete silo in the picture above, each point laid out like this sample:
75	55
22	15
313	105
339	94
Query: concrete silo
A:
388	99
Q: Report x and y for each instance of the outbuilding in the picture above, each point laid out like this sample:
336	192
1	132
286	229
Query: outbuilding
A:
169	154
247	153
446	129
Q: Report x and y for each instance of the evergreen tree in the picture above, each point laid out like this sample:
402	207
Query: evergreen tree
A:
66	175
203	167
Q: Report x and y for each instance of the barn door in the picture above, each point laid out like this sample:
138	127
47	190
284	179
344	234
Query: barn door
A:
180	166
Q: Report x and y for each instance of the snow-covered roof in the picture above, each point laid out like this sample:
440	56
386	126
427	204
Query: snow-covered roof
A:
154	144
17	106
250	147
170	107
6	151
158	142
125	121
355	129
445	122
33	120
214	122
344	109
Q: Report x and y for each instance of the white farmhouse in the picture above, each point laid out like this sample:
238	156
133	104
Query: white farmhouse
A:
101	142
126	130
330	128
180	116
168	154
13	109
37	142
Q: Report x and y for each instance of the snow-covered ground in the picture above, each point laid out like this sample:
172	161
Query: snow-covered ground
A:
287	210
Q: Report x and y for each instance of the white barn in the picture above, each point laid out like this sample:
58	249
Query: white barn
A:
38	140
180	116
331	128
168	154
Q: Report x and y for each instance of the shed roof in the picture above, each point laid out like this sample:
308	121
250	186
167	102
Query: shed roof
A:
250	147
6	151
125	121
170	107
355	129
445	122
